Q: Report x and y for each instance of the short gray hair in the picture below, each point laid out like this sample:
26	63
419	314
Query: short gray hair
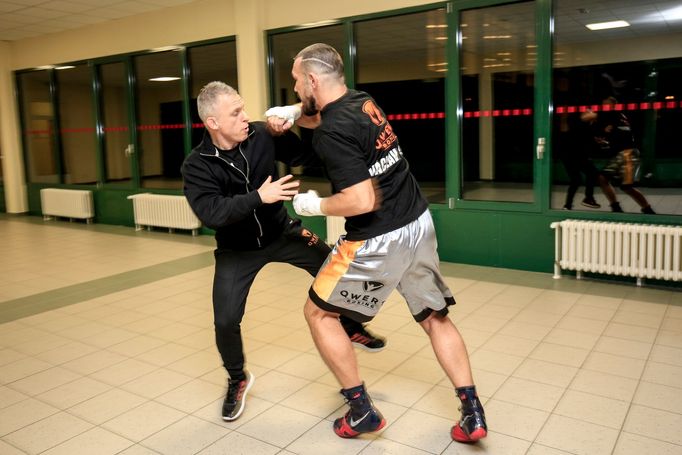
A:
208	96
321	58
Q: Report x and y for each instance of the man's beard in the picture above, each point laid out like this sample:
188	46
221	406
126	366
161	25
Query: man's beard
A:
308	107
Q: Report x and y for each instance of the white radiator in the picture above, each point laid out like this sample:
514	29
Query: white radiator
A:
336	227
56	202
636	250
166	211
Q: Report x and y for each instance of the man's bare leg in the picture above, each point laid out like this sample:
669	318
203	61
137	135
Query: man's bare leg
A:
337	352
452	355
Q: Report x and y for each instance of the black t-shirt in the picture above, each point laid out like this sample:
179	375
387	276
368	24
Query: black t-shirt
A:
356	142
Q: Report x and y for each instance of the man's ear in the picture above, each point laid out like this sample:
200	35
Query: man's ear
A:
211	123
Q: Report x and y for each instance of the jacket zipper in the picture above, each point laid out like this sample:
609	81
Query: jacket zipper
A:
246	185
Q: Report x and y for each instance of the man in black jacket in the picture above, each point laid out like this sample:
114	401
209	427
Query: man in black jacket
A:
230	183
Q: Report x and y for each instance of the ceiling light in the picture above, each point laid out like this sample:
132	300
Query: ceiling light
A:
607	25
673	14
437	26
438	64
65	67
164	79
496	36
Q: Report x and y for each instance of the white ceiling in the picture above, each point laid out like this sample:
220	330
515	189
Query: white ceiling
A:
29	18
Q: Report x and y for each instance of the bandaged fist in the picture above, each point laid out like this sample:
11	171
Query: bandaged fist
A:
288	113
308	204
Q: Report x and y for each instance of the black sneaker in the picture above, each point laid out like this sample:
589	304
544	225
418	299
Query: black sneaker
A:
616	208
367	341
591	203
233	406
648	210
471	426
360	418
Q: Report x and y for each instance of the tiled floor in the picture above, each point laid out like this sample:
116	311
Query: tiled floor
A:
106	347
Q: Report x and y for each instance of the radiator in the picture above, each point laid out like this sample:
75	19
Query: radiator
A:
626	249
56	202
336	227
165	211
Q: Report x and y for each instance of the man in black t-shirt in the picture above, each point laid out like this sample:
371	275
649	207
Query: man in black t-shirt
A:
390	242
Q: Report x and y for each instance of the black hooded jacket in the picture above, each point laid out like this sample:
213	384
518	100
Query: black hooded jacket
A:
224	197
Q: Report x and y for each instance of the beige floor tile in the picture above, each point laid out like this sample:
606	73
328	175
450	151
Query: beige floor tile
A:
23	413
385	360
473	338
631	332
143	421
103	407
275	386
166	354
305	366
582	325
572	338
659	396
320	439
545	372
74	392
8	355
10	396
96	440
191	396
605	385
482	323
399	390
592	408
44	381
279	425
639	319
494	443
66	352
272	356
496	362
497	311
185	437
156	383
618	365
93	362
666	354
514	420
670	338
525	330
667	426
22	368
510	345
577	436
591	312
539	449
486	382
6	449
47	433
123	372
316	399
139	344
564	355
420	369
239	444
600	301
530	394
661	373
537	317
418	429
440	401
198	363
622	347
633	444
381	446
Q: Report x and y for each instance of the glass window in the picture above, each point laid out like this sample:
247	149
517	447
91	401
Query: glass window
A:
401	63
617	106
160	123
115	120
497	74
285	46
38	126
207	63
77	124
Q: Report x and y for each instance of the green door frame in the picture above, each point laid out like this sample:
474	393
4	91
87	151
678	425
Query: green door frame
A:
541	111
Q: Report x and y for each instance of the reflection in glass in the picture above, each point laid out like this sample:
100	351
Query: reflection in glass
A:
77	124
211	62
407	79
632	72
114	114
38	126
160	123
284	48
497	59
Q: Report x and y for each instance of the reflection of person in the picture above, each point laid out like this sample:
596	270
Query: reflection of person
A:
229	183
390	242
612	128
576	147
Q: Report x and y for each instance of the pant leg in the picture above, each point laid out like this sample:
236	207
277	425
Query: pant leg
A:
234	275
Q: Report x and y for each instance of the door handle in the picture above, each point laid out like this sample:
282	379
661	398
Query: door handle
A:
130	150
540	148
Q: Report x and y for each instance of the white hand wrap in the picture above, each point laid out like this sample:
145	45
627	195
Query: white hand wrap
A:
308	204
289	113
